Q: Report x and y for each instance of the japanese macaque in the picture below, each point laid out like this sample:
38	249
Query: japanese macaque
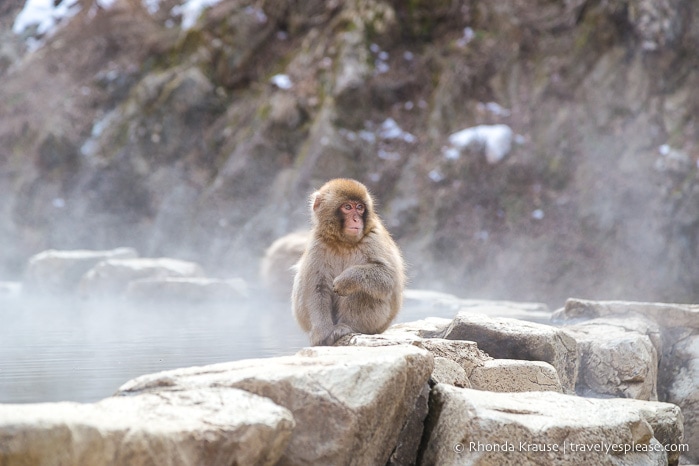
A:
351	277
276	266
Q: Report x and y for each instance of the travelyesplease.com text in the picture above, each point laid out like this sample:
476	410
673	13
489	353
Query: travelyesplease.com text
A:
570	447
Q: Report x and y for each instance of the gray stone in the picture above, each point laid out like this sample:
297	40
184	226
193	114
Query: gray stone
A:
112	277
504	338
205	427
349	403
449	372
512	375
187	290
58	272
666	315
483	428
465	353
680	376
615	360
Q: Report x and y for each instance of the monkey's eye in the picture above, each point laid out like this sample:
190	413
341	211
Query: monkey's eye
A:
360	208
347	206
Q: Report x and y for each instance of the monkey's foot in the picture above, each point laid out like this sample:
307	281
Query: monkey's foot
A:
339	331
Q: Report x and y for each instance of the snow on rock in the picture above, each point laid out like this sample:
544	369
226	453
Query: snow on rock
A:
191	9
390	130
282	81
496	139
44	15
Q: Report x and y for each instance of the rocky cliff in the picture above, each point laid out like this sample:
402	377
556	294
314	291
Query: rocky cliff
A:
200	136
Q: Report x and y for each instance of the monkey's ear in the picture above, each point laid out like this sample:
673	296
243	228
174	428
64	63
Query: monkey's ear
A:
315	200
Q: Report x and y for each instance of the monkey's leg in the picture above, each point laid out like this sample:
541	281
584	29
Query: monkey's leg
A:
364	314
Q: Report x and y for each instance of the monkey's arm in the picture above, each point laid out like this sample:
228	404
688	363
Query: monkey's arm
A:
377	279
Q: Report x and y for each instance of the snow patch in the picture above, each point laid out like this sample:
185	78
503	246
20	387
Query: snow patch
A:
282	81
191	10
496	139
390	130
44	15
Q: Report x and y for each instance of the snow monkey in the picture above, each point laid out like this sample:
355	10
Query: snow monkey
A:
276	266
351	277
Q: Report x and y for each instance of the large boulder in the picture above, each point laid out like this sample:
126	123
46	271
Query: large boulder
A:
674	332
482	428
112	277
186	290
617	357
349	404
504	338
665	314
58	272
680	381
190	428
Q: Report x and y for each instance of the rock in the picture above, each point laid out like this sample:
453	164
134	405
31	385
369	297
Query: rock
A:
657	23
495	140
212	427
187	290
504	338
482	428
430	327
666	315
465	353
52	271
418	303
679	376
349	404
615	360
667	421
676	325
531	312
449	372
276	266
512	375
406	450
112	276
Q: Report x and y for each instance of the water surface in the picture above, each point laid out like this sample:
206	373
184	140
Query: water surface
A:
72	350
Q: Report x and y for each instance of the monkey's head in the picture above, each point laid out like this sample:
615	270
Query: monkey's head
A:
343	211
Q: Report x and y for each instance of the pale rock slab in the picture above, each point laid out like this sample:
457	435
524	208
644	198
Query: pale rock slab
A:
504	338
418	303
186	290
59	271
349	403
111	277
211	427
665	314
512	375
464	353
449	372
484	428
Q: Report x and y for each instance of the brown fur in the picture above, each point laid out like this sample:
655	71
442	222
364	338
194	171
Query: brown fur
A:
345	285
276	266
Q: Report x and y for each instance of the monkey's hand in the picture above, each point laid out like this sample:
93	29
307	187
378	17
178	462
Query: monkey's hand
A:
345	284
339	331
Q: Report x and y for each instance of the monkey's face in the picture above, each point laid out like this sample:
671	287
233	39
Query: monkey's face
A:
351	214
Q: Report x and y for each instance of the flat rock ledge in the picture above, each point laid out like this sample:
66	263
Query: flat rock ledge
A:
173	428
